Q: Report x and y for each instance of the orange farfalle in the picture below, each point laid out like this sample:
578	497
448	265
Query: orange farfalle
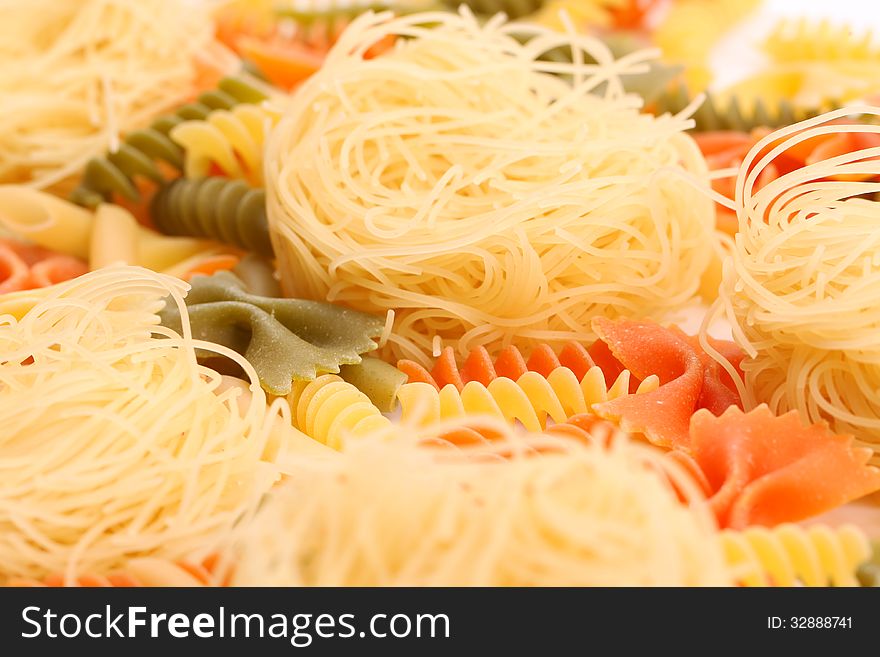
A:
510	363
25	267
284	62
762	469
689	379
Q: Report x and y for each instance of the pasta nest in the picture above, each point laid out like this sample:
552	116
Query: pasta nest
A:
76	75
460	183
392	510
130	449
803	286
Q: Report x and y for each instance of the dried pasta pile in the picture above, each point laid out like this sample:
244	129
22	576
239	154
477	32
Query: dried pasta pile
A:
77	74
131	448
506	204
393	293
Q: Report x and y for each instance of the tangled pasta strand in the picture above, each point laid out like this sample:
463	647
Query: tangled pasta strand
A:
530	399
76	75
139	152
329	409
519	510
131	449
802	289
788	555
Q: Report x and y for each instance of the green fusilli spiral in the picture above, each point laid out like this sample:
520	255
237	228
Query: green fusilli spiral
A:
733	115
228	211
140	151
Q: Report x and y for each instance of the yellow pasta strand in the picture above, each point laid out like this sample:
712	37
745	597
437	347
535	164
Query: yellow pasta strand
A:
789	555
130	449
531	399
330	409
802	289
74	76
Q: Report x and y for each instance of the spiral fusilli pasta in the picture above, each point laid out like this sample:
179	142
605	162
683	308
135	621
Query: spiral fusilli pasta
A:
811	62
229	211
530	399
328	409
139	152
232	140
481	367
733	114
788	554
805	40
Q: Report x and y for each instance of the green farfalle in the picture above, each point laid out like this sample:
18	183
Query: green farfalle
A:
283	339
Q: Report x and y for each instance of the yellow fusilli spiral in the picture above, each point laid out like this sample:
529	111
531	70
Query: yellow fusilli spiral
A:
230	139
690	29
329	408
806	40
788	554
530	399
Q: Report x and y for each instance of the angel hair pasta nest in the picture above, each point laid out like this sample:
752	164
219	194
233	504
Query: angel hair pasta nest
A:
803	287
482	194
116	444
